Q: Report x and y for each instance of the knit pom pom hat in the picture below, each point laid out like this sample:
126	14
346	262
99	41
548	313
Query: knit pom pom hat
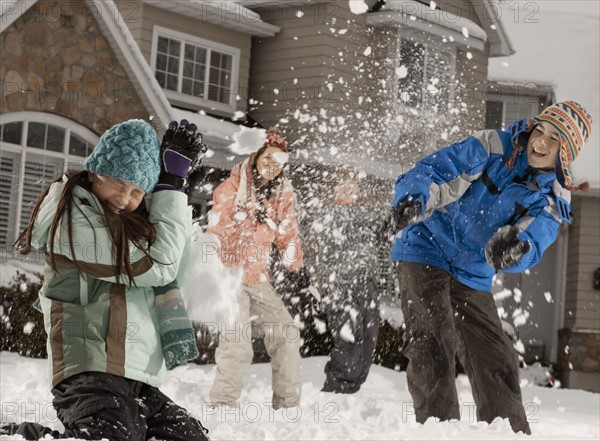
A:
276	139
127	151
574	126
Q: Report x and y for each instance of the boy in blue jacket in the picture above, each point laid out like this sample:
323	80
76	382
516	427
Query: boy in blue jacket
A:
491	202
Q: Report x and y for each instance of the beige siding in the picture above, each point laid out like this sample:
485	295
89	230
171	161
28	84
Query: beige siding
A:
582	301
325	49
150	16
304	60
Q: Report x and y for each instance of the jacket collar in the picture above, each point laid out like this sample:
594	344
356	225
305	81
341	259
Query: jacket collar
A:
528	173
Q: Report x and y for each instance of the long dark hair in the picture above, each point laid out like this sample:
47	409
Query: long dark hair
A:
123	228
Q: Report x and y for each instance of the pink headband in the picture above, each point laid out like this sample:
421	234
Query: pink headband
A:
276	140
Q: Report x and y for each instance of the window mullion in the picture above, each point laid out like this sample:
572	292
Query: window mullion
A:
67	154
207	73
66	142
180	67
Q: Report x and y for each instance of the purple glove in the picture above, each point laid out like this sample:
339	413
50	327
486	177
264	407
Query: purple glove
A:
181	150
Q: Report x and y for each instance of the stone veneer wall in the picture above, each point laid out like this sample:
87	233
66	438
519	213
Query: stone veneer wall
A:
579	352
54	58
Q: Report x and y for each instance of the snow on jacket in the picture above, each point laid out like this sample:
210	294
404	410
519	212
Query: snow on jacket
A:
247	242
467	192
92	322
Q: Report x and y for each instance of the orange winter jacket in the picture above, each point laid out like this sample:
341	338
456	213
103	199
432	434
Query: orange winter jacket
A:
247	242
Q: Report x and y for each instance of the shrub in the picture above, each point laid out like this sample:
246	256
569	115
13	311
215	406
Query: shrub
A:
21	325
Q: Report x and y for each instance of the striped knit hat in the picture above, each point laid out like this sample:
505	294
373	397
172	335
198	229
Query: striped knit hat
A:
574	125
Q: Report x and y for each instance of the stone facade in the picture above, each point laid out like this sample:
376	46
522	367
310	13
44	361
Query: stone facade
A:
54	58
579	352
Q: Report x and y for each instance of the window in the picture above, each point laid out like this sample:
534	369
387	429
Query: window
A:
195	71
36	147
501	113
425	71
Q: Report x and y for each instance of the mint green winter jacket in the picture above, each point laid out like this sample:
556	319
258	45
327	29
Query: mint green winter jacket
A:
92	322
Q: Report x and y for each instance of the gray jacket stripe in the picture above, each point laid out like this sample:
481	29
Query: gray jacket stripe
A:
490	140
561	192
552	208
524	223
441	195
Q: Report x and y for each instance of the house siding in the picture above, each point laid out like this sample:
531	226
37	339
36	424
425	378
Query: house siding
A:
301	61
584	259
579	359
355	110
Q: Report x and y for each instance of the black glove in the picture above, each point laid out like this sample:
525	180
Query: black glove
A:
405	213
505	249
181	152
309	296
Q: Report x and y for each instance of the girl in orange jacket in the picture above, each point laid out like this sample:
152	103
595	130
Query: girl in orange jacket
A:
253	210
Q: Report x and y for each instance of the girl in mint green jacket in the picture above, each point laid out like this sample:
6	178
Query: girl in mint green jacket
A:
111	332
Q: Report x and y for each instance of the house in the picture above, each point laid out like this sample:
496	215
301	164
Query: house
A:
70	70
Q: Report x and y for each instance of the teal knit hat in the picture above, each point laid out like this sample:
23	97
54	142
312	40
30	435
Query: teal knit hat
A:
127	151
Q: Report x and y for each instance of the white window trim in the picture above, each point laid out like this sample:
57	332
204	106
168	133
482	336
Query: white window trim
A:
22	149
188	100
440	22
424	39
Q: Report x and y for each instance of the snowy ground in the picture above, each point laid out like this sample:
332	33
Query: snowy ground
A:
381	410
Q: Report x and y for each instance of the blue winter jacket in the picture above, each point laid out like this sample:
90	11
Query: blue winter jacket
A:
467	192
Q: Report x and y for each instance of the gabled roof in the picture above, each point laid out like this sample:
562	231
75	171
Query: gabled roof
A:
490	15
10	10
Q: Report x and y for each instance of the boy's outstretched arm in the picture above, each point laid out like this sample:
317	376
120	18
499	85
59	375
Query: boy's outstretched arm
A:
444	176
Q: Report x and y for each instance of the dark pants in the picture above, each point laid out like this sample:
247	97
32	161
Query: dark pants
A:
96	405
353	319
445	318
